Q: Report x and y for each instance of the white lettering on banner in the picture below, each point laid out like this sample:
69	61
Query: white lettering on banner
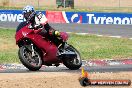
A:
109	20
11	17
131	20
92	19
20	18
96	20
126	20
103	20
117	20
3	17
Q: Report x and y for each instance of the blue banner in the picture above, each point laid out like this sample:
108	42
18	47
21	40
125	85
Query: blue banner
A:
99	18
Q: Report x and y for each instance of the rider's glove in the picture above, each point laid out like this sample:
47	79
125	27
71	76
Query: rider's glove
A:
57	33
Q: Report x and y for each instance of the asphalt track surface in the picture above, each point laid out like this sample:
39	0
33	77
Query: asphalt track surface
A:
113	30
108	68
100	69
110	30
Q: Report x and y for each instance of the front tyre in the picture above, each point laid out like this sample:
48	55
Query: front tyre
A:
73	63
33	63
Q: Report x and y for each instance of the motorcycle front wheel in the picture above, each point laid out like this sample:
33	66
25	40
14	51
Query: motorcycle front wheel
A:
33	63
73	63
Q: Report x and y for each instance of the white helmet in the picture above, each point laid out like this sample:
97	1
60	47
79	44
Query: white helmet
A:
28	11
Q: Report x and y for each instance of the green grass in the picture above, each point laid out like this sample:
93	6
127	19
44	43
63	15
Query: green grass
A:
90	47
93	47
8	49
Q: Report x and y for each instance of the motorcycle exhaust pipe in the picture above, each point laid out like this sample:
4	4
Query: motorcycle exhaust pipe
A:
68	55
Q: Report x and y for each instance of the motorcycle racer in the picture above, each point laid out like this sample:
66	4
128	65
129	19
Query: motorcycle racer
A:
38	21
50	49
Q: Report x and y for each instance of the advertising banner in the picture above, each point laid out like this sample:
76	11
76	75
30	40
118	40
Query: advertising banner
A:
55	17
12	16
71	17
98	18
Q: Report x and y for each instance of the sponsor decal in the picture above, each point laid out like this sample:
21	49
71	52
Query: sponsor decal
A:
76	16
99	18
12	16
86	81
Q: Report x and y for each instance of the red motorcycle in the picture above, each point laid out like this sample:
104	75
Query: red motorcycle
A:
36	50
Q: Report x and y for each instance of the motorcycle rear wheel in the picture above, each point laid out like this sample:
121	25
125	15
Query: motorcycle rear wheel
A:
73	63
32	63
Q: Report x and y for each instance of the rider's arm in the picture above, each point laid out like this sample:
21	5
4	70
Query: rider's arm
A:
51	30
42	20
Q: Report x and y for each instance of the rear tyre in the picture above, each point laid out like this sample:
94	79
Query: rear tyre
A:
32	63
73	63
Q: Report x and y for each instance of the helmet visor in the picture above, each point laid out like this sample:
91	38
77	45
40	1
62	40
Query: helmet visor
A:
26	15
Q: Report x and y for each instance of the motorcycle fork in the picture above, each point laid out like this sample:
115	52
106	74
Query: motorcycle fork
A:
63	45
33	51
